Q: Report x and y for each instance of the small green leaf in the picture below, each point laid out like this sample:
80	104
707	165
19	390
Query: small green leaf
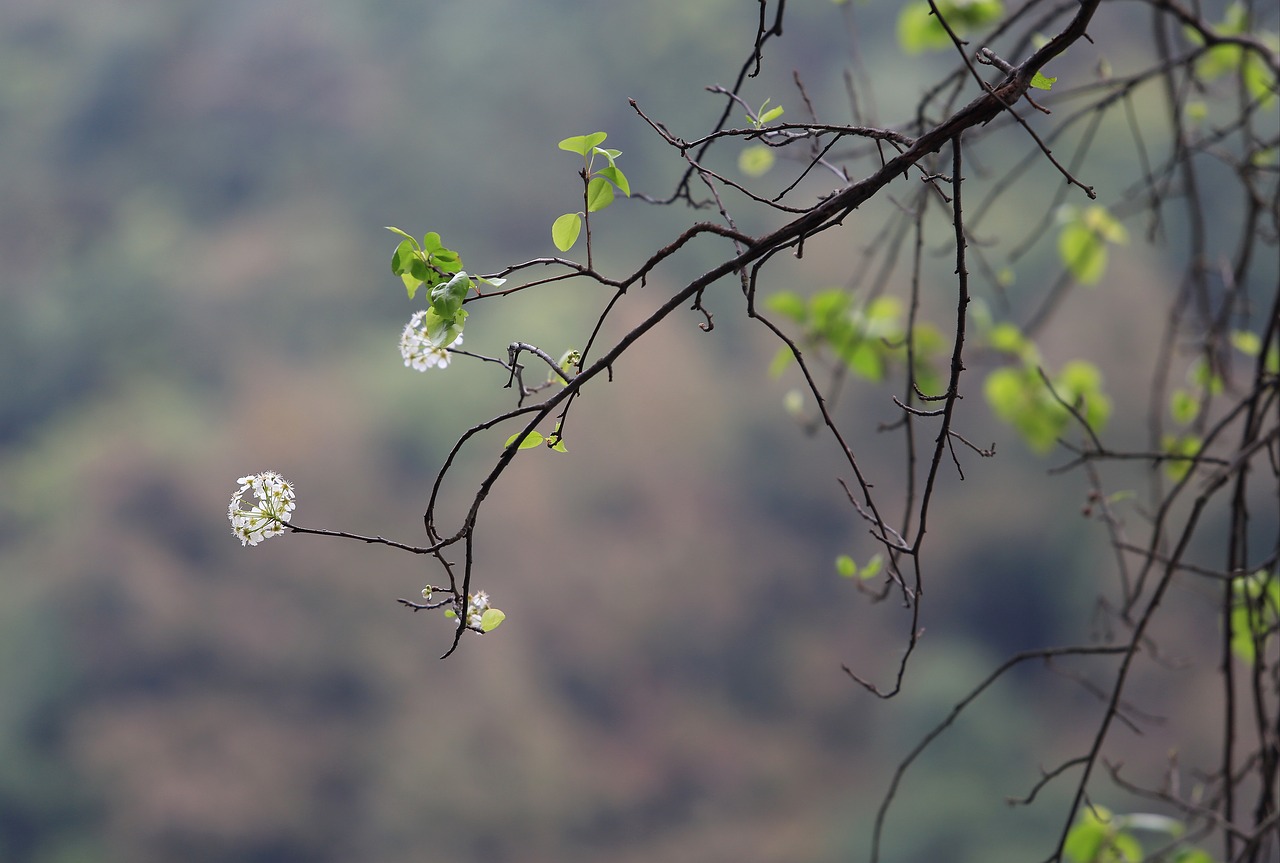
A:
1083	253
1186	446
1183	406
1254	614
564	231
872	567
615	176
531	440
447	298
1082	244
865	360
880	318
780	361
1008	338
583	144
1202	375
599	194
789	304
1218	61
770	115
1078	377
443	259
431	242
1125	848
845	566
919	30
442	330
1246	342
1042	82
407	263
491	619
1080	384
1105	225
411	284
756	160
1086	836
1257	75
395	230
403	257
828	305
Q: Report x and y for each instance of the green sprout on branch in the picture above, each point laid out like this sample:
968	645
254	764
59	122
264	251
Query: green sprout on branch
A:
599	187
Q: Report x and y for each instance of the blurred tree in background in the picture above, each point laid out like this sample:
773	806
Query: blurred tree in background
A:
825	271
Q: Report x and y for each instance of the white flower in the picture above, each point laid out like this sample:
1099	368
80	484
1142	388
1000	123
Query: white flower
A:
416	348
477	605
274	507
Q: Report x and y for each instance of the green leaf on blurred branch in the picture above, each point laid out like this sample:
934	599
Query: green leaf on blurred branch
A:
1083	241
920	30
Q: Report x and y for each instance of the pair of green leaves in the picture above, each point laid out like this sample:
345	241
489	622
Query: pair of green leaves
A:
756	159
847	568
601	183
765	115
535	438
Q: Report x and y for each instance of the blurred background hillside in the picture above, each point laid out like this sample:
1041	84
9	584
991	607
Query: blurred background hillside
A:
194	285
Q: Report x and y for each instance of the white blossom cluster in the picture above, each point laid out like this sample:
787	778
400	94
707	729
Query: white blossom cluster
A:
416	348
266	518
477	605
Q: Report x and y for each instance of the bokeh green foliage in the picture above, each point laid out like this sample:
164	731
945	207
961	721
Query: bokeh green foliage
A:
868	339
1039	404
167	697
1231	58
1254	620
1101	836
919	29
